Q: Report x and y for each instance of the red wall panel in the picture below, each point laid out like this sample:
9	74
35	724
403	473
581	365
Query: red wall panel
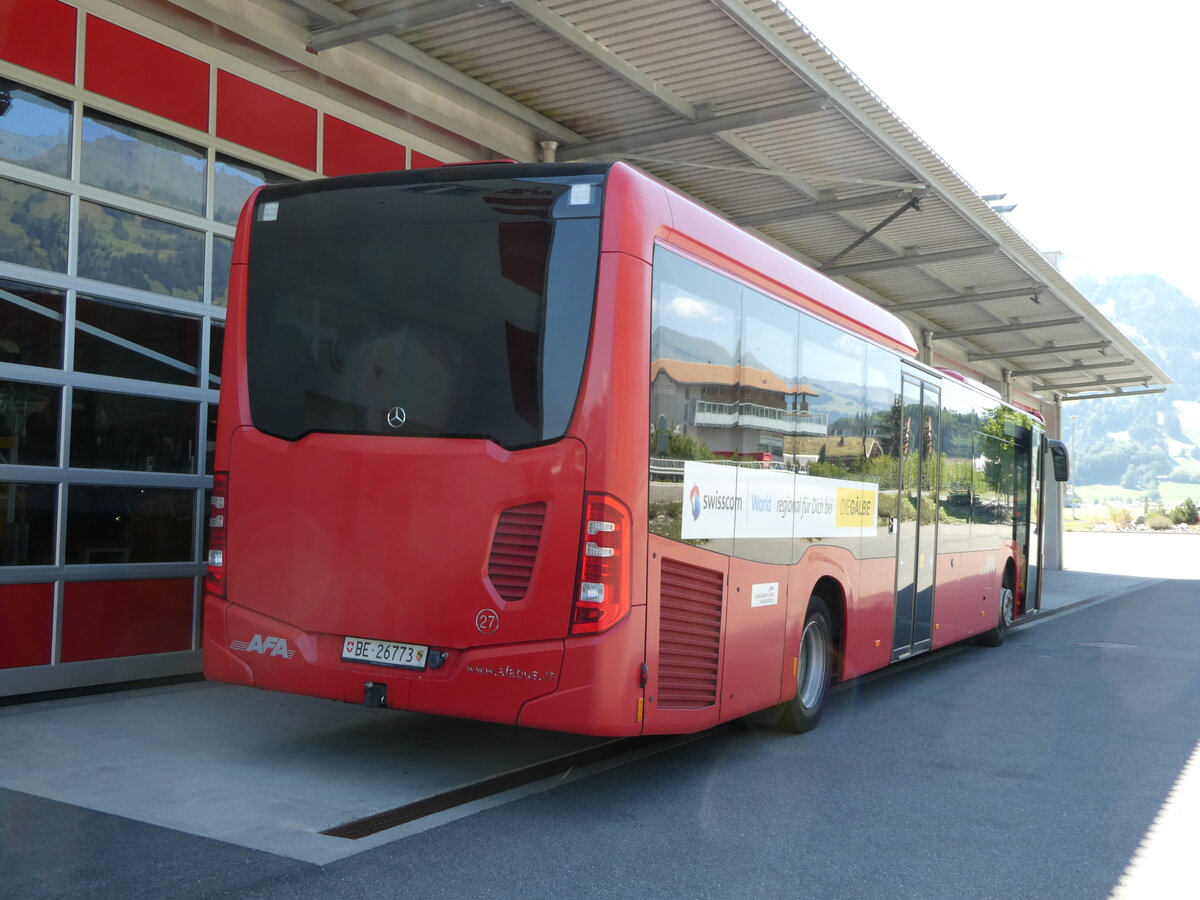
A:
421	161
102	619
26	624
255	117
39	35
350	150
145	74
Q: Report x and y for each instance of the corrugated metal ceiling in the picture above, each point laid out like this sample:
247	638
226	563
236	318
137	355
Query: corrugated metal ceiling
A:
599	70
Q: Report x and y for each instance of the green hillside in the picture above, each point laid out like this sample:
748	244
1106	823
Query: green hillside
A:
1149	444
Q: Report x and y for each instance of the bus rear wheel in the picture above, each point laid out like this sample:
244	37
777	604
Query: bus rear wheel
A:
996	636
815	671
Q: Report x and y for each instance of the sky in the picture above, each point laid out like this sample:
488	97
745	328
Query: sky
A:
1085	113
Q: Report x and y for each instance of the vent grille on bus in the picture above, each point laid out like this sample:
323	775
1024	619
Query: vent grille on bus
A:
689	637
514	549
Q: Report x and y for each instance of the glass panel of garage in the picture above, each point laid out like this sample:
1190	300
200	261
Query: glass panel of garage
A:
119	339
114	525
128	159
216	353
140	252
29	416
27	516
31	324
33	226
222	258
120	431
35	129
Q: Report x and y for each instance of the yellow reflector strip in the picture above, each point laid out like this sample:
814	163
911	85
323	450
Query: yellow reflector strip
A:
795	667
641	708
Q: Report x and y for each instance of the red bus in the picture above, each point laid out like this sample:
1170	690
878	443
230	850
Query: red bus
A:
553	445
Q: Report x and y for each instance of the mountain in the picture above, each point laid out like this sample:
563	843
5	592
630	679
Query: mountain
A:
1139	441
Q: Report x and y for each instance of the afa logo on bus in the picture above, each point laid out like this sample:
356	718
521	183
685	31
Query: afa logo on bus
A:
694	499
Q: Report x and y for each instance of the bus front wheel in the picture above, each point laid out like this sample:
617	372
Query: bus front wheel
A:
814	672
996	636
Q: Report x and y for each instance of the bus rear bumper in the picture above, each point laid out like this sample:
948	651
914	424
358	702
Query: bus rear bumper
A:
487	683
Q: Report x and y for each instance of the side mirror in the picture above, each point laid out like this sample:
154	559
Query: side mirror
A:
1060	460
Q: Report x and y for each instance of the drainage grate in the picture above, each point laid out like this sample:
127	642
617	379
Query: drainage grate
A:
365	827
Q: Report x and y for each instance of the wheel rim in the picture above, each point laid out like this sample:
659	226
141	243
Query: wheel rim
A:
814	664
1006	606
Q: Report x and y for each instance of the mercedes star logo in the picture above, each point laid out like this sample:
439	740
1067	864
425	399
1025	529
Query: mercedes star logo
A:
396	417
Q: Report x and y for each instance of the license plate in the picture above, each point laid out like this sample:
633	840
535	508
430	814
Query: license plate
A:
385	653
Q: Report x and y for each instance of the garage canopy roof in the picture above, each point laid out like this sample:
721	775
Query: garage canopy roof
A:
737	104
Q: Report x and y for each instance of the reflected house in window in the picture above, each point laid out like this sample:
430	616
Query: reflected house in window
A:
735	409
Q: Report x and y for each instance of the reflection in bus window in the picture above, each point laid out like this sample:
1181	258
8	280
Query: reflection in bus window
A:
833	438
958	467
360	307
694	374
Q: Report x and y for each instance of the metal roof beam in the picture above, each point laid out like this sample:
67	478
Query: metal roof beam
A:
670	133
1157	390
1015	294
767	168
1012	326
788	213
396	17
1077	366
1099	382
545	126
911	259
911	203
1040	351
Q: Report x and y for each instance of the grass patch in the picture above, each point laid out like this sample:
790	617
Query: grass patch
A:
1173	493
1107	493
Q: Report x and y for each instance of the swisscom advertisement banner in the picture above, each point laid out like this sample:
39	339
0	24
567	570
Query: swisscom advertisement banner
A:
735	501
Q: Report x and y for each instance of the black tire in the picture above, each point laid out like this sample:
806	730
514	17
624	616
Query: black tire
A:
996	636
803	712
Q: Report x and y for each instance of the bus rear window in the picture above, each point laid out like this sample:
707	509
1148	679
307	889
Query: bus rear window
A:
418	308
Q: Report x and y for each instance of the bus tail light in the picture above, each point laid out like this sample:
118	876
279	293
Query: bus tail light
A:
603	594
214	582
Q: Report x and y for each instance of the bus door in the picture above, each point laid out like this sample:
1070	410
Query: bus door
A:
916	512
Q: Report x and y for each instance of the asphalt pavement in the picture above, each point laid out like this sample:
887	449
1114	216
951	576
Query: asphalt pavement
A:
1055	766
